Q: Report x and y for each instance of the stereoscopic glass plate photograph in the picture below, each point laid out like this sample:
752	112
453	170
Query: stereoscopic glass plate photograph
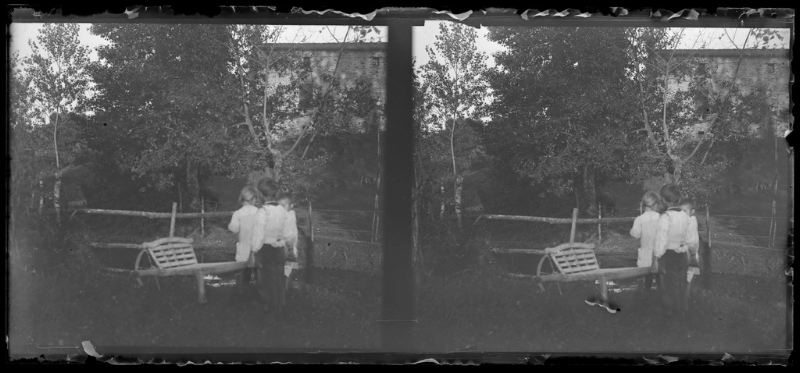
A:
399	186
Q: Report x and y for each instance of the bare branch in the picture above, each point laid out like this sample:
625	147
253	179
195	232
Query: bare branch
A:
730	38
711	145
300	137
331	32
325	93
664	125
693	151
646	119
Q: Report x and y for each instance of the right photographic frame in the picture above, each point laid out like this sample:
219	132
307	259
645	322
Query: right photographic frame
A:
615	187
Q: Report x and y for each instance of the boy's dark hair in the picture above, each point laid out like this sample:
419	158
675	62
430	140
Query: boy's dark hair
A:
670	194
254	195
267	187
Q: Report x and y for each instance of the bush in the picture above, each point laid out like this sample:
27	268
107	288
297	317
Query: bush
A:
446	249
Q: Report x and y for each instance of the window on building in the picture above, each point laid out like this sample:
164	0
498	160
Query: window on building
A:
771	68
307	63
376	61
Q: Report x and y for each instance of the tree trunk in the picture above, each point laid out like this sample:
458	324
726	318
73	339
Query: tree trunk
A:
442	204
589	189
192	184
458	188
57	198
456	176
57	183
576	182
676	173
41	196
180	196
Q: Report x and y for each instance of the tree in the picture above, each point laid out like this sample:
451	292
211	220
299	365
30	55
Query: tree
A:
276	90
57	80
560	117
164	102
27	168
455	88
684	107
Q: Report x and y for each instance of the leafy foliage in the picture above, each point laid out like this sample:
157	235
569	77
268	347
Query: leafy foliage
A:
49	90
562	107
163	97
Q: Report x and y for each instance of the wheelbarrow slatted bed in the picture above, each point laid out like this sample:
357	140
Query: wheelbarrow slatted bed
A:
573	262
577	261
175	256
603	273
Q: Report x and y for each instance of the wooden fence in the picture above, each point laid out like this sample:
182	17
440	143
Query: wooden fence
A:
315	232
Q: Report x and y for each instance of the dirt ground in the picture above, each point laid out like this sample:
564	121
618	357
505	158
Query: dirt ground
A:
59	300
503	314
60	296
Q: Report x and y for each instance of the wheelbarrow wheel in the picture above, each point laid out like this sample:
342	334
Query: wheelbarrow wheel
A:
544	268
138	267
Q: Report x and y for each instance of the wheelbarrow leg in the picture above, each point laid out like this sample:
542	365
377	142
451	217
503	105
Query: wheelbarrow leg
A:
603	290
201	288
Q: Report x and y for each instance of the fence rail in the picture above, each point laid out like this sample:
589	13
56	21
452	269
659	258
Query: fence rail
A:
156	215
747	246
548	220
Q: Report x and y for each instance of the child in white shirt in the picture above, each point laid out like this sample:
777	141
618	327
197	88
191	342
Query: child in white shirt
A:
694	257
676	237
644	228
290	235
269	245
243	222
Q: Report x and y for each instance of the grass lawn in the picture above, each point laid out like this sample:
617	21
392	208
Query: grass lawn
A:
57	303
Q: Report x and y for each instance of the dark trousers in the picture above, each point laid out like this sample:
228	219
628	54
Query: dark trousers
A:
647	283
243	281
673	267
271	281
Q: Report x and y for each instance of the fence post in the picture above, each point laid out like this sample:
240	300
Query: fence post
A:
574	224
599	223
202	217
172	219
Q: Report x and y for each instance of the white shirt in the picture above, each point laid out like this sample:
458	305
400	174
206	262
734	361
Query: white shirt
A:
290	231
676	232
645	228
243	222
272	227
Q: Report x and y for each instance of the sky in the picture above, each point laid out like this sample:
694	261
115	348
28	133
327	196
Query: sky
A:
695	37
713	38
21	33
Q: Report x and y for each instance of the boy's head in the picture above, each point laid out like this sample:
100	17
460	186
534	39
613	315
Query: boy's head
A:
248	195
688	208
284	199
267	188
670	195
651	200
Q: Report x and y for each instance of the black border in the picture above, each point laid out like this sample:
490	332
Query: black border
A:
397	278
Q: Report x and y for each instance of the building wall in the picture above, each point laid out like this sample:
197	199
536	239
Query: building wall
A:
358	60
769	69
